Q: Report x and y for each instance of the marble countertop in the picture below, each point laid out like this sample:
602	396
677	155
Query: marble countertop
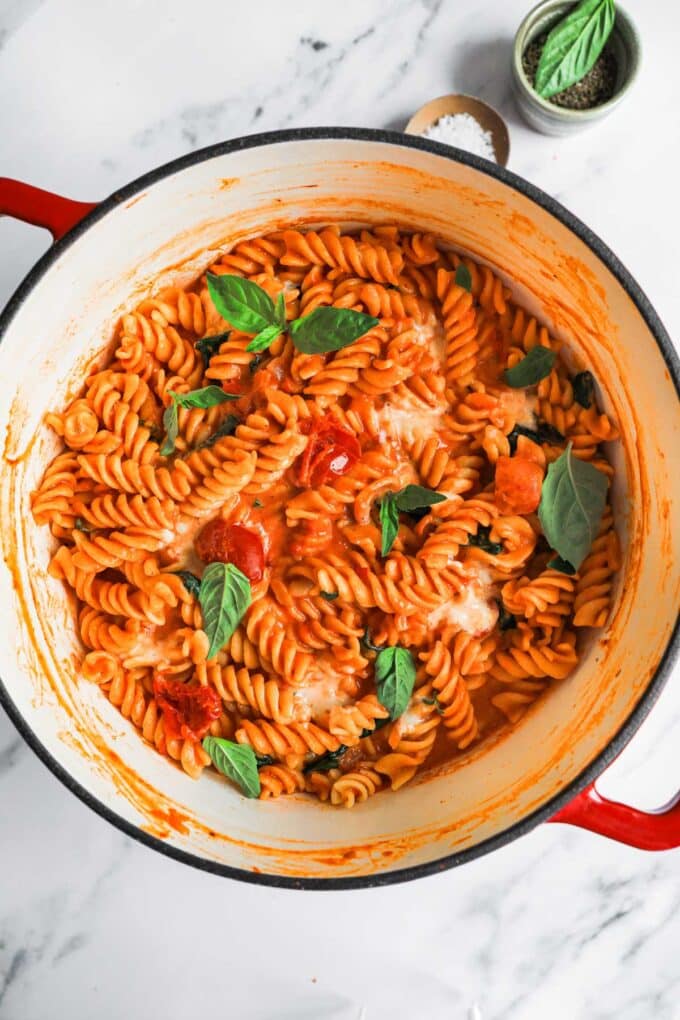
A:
560	924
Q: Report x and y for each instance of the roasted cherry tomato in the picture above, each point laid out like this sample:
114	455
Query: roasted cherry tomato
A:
188	709
518	485
232	543
331	450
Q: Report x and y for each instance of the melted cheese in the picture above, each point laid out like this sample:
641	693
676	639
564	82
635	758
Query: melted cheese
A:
409	424
474	611
431	336
150	649
321	693
520	407
416	713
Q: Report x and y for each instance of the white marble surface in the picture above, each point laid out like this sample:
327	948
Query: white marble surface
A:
560	924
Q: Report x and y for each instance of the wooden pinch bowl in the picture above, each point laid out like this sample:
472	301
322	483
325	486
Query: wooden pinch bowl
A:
488	118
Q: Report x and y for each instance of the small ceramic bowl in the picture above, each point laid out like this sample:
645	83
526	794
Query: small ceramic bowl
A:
488	118
557	120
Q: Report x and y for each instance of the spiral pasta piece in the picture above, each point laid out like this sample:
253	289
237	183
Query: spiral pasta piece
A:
355	787
282	741
596	578
278	780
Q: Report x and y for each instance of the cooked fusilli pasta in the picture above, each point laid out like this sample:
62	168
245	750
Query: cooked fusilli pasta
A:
292	477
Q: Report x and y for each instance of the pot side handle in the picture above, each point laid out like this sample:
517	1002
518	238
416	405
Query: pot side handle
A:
41	208
646	830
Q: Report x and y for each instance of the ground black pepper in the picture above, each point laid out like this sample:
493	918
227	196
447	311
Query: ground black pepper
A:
595	88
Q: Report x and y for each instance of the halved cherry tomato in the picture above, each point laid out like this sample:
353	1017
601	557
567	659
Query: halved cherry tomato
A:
188	709
331	450
222	542
518	485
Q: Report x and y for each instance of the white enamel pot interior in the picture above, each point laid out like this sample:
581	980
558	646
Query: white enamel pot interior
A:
172	223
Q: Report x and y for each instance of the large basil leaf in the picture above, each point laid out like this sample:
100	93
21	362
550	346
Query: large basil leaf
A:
329	329
572	503
224	597
395	675
536	365
573	46
241	302
237	762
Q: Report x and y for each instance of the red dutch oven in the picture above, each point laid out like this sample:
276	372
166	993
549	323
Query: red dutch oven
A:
166	225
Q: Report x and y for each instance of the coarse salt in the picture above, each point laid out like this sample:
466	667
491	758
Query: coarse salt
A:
463	131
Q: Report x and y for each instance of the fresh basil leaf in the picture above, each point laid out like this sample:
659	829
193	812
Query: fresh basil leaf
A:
572	503
210	345
463	277
395	675
564	567
208	396
329	329
224	597
416	497
81	525
241	302
482	541
367	643
573	46
536	365
225	428
584	388
265	338
236	761
190	582
171	426
280	311
506	621
389	521
329	596
543	433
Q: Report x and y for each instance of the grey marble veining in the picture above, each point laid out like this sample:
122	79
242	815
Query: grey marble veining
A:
560	924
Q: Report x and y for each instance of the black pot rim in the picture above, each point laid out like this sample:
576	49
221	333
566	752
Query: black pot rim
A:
643	305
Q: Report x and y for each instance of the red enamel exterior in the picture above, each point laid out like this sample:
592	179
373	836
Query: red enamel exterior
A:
41	208
646	830
658	830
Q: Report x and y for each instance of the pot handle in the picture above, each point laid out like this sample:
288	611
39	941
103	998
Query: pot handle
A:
41	208
646	830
